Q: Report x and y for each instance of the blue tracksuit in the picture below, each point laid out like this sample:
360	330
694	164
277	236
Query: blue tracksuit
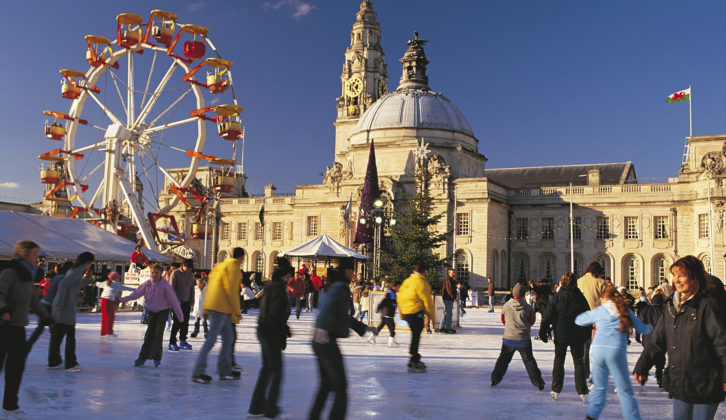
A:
609	350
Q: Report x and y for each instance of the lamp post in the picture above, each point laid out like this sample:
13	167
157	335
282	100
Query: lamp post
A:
379	215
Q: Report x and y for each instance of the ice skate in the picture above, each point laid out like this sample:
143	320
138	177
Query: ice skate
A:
417	367
184	345
201	379
554	395
583	397
392	342
139	362
372	339
14	414
173	347
232	376
73	369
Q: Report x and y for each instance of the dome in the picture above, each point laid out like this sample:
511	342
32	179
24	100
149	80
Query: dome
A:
414	108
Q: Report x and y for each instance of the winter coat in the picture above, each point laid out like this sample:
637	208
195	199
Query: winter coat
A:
334	315
223	289
295	287
317	282
365	300
183	284
68	295
592	287
158	296
357	292
111	291
490	289
560	315
198	302
448	292
52	290
607	321
17	295
695	339
517	317
387	307
651	315
272	320
414	296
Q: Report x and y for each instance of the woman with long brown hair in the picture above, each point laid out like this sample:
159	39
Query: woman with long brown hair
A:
693	333
614	323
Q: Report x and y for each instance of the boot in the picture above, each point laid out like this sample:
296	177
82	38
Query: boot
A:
392	342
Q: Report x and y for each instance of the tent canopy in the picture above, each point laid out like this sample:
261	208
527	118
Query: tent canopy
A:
323	246
66	238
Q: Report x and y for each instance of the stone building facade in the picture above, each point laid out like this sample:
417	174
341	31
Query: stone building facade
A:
508	224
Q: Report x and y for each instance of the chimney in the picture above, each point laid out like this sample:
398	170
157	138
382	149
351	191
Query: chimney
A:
593	177
270	190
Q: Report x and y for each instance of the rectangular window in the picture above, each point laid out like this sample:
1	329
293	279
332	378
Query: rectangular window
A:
703	226
224	228
277	231
521	232
577	228
548	228
631	228
259	231
660	223
603	227
312	228
241	231
462	223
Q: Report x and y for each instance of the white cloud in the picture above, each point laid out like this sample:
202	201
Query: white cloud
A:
299	8
11	185
195	7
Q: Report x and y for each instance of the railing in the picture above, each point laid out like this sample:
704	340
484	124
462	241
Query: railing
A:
564	191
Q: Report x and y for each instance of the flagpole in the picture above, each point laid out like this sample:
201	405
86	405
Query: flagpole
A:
690	109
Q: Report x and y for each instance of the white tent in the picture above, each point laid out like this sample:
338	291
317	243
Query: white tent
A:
63	238
323	246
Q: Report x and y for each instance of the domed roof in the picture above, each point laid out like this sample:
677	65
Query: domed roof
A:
414	108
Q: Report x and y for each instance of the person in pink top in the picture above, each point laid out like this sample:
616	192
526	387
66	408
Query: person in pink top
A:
159	297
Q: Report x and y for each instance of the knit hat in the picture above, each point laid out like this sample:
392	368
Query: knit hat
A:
518	290
114	276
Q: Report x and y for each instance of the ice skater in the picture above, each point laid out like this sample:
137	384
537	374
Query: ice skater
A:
387	309
159	297
199	292
182	281
414	302
272	331
614	323
518	318
112	287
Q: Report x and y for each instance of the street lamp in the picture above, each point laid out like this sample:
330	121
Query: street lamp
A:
380	215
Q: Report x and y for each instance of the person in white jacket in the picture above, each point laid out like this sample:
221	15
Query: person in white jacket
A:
198	307
112	288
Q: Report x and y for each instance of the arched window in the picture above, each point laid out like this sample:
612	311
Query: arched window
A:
706	260
495	266
606	263
632	272
547	267
661	263
520	267
462	265
271	262
259	261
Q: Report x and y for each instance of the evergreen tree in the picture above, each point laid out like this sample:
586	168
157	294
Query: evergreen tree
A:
415	237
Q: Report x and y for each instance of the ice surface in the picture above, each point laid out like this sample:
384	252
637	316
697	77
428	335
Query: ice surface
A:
456	386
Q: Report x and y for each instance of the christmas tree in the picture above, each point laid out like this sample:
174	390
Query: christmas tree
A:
363	232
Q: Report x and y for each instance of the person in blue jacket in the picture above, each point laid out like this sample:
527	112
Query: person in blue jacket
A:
614	323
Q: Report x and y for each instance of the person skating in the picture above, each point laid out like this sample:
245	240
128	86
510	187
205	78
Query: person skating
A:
614	323
414	300
490	294
64	314
693	334
182	281
111	289
518	318
47	302
296	290
309	292
591	284
333	322
17	297
272	331
221	307
199	292
560	315
448	295
387	309
158	298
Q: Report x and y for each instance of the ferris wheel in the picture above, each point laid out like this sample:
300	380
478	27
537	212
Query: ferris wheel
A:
137	116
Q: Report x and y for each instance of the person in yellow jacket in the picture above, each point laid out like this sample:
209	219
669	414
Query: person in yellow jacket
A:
221	307
414	300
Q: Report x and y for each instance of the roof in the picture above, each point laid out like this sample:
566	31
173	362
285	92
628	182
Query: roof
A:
541	176
323	246
63	238
414	108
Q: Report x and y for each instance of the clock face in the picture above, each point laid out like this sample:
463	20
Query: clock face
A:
354	87
382	88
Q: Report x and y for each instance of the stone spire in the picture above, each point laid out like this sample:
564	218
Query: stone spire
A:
414	66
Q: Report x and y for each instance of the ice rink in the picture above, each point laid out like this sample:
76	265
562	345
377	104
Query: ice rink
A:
456	386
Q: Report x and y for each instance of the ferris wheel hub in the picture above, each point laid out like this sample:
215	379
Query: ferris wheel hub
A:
118	132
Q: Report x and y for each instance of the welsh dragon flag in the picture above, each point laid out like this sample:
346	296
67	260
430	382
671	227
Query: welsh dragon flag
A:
683	95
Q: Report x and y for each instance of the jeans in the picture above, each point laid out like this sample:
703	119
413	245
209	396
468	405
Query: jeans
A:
12	359
332	379
296	302
558	367
37	331
57	332
154	336
491	303
182	327
687	411
416	323
309	301
445	323
586	358
387	321
505	356
605	361
203	321
362	315
267	389
219	324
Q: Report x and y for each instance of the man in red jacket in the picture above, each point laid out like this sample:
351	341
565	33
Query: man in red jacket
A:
296	290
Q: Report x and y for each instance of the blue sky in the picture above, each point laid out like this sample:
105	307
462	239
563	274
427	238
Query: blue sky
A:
541	82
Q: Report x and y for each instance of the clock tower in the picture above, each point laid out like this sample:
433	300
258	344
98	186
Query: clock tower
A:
364	78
